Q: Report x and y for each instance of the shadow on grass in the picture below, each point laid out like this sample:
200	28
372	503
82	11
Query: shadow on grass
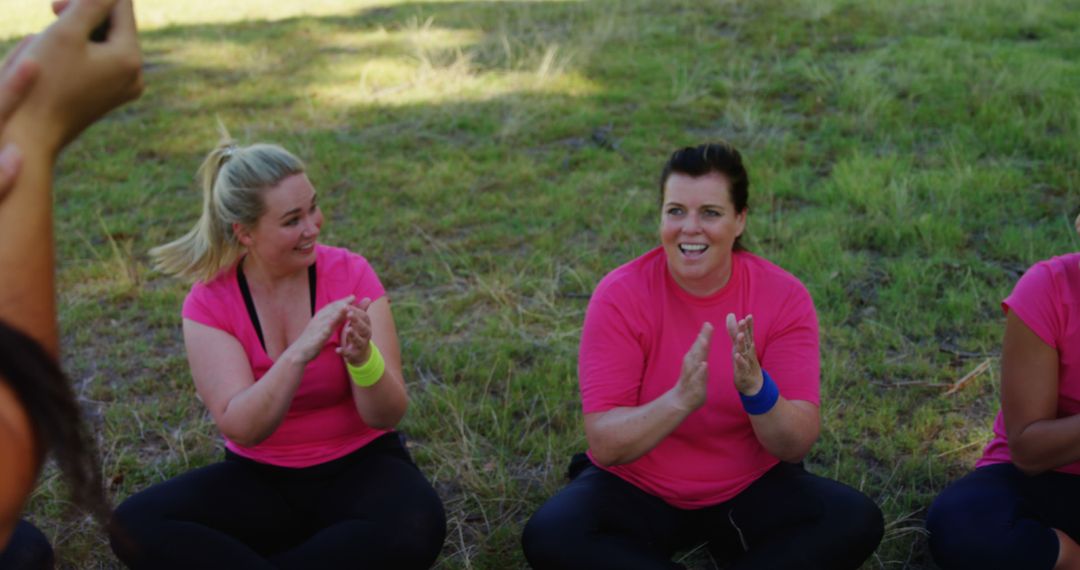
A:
494	160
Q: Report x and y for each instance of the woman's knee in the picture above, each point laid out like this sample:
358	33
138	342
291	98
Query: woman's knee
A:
864	523
121	530
958	529
550	536
416	529
974	523
851	529
131	528
538	540
27	548
426	530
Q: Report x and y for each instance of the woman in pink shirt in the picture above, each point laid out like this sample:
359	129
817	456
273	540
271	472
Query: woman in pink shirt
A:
294	352
1020	508
694	438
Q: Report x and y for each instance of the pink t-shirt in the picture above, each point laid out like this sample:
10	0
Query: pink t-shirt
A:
1047	299
322	423
639	326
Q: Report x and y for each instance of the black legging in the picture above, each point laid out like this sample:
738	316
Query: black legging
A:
27	549
788	518
370	509
997	517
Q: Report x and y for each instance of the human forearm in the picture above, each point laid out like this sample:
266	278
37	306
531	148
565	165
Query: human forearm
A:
788	430
68	83
785	428
1046	444
256	412
383	404
370	346
27	298
19	458
622	435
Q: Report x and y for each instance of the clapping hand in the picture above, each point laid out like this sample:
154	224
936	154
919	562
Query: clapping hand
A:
17	75
79	80
356	337
747	375
694	377
322	325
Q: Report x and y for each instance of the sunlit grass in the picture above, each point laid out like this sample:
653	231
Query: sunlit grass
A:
494	160
27	16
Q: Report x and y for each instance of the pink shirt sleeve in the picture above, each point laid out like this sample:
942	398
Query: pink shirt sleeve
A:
792	354
1037	302
611	358
204	306
342	272
366	282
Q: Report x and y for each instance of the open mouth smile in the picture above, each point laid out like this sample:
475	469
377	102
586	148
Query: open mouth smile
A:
693	249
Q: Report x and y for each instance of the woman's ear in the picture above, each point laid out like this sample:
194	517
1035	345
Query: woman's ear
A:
242	234
740	222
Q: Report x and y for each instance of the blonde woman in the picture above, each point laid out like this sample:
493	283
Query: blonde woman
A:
293	350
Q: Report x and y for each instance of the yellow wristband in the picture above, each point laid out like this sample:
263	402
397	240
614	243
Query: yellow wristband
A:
368	373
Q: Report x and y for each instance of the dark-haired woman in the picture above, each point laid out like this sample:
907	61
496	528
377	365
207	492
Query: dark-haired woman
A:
294	352
1020	508
691	438
52	87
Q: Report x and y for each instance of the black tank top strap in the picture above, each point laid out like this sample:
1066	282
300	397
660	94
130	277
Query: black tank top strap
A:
249	302
245	292
311	277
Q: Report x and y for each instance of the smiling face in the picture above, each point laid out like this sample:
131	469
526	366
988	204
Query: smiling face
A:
698	227
283	239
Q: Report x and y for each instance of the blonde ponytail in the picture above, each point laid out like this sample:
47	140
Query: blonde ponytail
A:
233	180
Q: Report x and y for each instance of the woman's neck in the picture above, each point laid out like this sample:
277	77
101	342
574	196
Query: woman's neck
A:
259	275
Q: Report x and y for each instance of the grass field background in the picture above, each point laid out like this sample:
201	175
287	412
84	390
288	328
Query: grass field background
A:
494	159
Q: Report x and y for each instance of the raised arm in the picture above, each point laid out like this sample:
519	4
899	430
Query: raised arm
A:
246	411
52	86
17	445
77	82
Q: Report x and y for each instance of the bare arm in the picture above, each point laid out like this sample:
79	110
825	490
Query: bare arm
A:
19	458
383	404
246	411
790	428
17	444
622	435
36	79
77	82
1038	439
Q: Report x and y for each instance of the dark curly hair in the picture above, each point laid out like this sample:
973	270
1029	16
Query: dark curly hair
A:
46	394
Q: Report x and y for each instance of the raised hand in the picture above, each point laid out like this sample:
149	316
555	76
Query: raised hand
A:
17	75
694	377
747	375
356	336
80	80
310	342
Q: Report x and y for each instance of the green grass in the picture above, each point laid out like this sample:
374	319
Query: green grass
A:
493	160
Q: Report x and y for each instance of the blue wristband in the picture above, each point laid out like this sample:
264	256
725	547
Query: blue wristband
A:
764	400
